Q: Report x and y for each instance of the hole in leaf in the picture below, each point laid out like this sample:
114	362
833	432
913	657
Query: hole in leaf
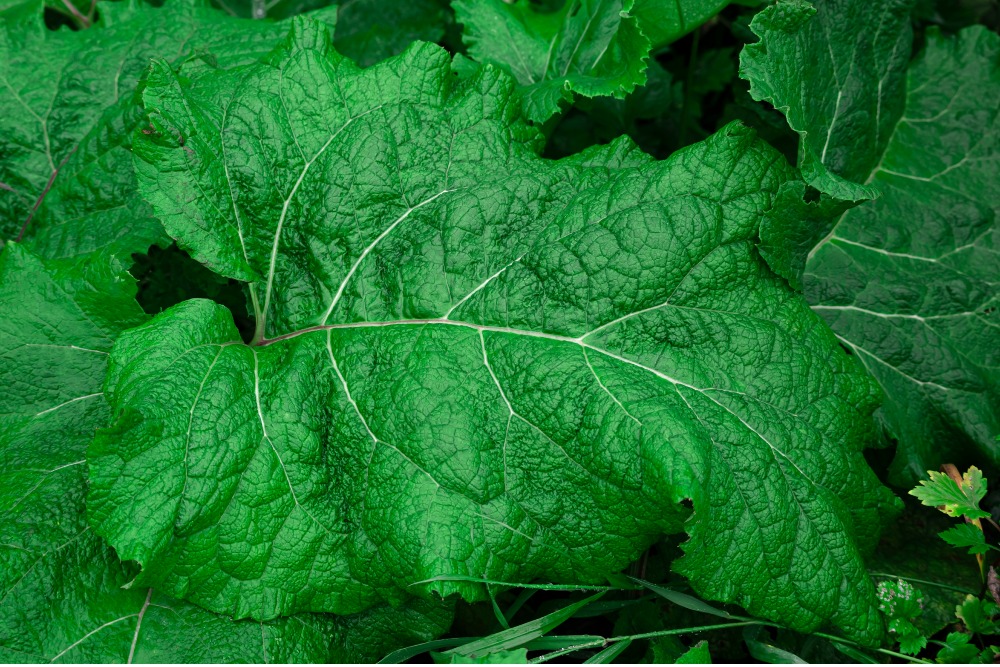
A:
169	276
54	20
812	194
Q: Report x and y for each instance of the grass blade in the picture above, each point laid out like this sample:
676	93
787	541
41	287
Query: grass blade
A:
514	584
683	600
407	652
520	635
555	642
854	654
608	655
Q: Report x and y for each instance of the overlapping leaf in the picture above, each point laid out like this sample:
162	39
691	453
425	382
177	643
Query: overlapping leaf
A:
909	282
64	595
372	30
664	21
470	360
66	117
367	30
589	47
837	72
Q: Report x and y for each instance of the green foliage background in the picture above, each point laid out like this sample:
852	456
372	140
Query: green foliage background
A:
488	331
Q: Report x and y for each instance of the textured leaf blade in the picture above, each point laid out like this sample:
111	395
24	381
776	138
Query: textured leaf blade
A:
793	227
55	337
64	595
934	349
454	375
67	117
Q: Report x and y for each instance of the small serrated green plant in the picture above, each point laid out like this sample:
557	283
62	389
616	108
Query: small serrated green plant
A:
902	603
956	495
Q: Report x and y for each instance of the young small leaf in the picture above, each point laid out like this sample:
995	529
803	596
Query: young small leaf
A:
902	603
952	498
966	535
911	641
977	614
696	655
958	649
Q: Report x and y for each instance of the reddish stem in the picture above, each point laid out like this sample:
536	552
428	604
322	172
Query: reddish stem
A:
84	21
45	191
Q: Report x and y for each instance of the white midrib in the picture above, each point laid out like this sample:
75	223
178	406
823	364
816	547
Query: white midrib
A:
270	442
832	238
366	252
583	35
284	210
89	635
135	637
874	172
479	287
284	213
43	475
69	402
578	340
138	626
894	316
860	351
831	235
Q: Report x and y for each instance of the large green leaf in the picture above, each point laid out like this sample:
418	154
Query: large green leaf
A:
471	360
64	596
910	281
589	47
66	117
